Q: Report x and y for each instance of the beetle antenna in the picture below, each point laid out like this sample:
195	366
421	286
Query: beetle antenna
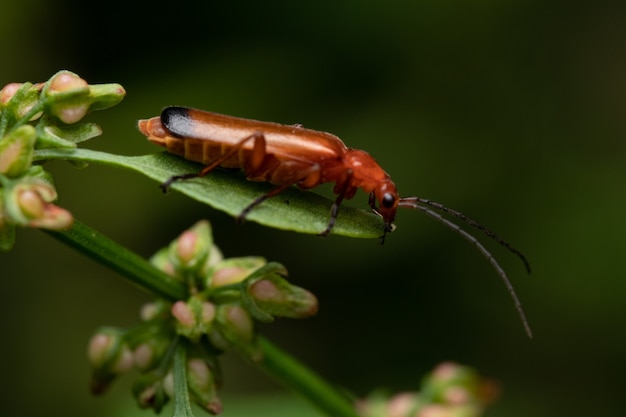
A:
412	202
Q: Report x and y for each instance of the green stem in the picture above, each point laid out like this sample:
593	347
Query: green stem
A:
275	362
132	266
296	375
182	407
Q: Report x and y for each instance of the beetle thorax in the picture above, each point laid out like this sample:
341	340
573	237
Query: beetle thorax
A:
366	173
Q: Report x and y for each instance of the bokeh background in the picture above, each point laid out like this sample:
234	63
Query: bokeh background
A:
512	112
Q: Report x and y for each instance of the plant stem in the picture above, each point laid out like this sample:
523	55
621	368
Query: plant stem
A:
182	407
117	257
275	361
290	372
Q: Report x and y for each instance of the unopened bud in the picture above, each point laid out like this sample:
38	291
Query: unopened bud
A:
161	260
236	327
186	247
218	341
238	321
16	151
234	270
182	313
277	297
149	391
20	99
67	97
194	317
8	91
153	310
54	218
109	356
202	385
190	251
104	96
460	388
66	82
31	203
401	404
404	404
33	207
28	203
454	384
148	354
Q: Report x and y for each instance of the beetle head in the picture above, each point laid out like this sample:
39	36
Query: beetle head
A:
371	178
387	197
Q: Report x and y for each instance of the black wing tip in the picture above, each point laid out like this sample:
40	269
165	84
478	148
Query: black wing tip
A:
176	120
171	113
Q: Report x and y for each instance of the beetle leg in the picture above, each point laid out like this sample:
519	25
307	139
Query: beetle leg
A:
307	175
334	212
334	209
261	199
372	203
258	153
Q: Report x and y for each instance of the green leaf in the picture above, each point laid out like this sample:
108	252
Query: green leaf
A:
228	191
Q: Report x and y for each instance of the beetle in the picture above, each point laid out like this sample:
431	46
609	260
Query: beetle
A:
288	155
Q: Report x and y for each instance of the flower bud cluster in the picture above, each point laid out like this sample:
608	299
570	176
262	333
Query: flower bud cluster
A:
37	116
225	298
450	390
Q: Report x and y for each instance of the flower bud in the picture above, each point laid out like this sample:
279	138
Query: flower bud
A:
404	404
183	313
191	250
235	326
236	323
459	388
218	341
19	99
34	203
234	270
67	97
149	353
8	91
16	151
161	260
451	383
53	218
400	405
277	297
109	356
194	317
202	385
153	310
104	96
28	203
149	391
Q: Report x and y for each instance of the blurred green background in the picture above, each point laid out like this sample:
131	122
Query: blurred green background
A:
513	113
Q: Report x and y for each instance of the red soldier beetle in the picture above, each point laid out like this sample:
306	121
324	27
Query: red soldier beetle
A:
288	155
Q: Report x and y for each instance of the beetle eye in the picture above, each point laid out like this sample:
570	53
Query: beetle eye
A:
388	200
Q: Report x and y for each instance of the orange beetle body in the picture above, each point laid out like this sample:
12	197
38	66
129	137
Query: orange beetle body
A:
280	154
